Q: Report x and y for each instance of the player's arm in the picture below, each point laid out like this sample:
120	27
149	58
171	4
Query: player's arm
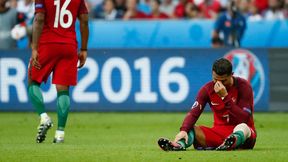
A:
196	110
38	24
193	115
84	30
242	110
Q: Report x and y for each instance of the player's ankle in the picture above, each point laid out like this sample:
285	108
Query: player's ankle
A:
44	117
59	133
59	136
181	144
240	139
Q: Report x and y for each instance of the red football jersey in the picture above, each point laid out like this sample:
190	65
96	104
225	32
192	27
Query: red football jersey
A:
237	107
60	17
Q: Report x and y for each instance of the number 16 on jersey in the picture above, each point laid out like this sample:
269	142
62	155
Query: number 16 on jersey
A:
60	14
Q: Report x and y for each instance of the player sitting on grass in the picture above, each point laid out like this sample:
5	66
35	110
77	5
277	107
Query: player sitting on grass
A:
231	101
54	50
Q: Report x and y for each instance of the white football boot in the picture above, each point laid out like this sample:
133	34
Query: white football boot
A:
44	126
59	136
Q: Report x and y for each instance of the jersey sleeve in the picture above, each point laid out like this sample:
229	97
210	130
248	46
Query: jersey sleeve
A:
196	110
40	6
82	8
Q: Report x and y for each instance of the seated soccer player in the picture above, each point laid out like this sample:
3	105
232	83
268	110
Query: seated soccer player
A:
231	101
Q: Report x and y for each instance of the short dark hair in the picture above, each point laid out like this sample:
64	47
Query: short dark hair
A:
222	66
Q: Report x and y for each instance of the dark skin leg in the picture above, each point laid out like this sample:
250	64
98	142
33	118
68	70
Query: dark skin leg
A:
61	87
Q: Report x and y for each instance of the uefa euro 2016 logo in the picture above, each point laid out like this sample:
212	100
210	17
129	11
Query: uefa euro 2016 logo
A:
246	65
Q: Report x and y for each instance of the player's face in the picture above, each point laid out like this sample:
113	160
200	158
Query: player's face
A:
226	80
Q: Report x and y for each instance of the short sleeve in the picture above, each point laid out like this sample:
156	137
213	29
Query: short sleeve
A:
40	6
83	8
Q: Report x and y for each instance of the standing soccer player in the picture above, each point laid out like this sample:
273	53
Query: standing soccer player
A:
231	101
54	49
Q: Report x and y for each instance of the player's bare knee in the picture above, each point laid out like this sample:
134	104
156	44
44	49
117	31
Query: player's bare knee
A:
62	87
244	128
199	136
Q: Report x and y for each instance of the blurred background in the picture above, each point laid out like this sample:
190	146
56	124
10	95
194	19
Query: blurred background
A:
154	55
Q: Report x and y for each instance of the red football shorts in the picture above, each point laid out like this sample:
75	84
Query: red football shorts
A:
61	59
216	135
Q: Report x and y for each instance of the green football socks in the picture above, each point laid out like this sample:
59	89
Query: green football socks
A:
190	140
240	138
36	97
63	105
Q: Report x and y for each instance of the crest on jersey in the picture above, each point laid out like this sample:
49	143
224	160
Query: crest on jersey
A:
196	103
246	65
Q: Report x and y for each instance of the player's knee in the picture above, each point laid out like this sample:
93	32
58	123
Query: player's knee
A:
61	87
199	136
244	128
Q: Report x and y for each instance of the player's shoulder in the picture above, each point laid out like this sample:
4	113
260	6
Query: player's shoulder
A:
241	82
209	86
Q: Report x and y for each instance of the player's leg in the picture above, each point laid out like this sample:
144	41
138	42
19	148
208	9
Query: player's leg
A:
250	142
167	145
200	138
191	138
35	77
240	134
63	106
210	138
194	135
64	75
36	98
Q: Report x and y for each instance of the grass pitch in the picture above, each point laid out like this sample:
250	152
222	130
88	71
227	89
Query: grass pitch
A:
129	137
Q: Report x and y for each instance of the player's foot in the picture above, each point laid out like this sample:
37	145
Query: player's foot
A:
59	137
167	145
228	144
58	140
44	126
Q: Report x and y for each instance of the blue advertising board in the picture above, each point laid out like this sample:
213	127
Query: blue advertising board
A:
179	34
176	34
136	79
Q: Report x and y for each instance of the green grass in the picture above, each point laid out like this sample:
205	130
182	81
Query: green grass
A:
130	137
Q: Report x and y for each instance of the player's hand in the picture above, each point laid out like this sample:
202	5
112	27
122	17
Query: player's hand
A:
82	58
34	59
220	89
181	135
